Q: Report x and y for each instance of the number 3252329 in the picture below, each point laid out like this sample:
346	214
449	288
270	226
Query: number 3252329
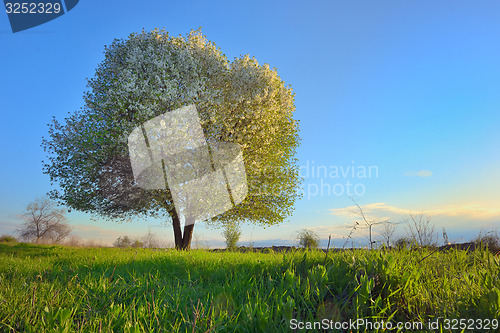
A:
32	8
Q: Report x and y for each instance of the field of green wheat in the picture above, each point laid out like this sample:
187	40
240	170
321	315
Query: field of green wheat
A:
62	289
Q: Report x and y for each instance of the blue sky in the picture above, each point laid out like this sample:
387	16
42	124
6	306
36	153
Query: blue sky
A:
409	88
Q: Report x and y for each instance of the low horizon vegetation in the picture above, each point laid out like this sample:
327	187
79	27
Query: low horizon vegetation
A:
45	223
305	238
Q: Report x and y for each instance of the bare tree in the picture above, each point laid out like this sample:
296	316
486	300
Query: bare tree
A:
387	233
150	240
74	241
44	222
365	223
421	230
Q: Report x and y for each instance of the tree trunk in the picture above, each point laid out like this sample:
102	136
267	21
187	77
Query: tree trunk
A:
371	243
188	235
182	239
176	222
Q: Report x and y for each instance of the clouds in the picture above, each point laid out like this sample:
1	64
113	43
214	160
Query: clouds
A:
327	230
448	215
421	173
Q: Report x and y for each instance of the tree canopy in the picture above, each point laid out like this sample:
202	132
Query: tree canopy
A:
149	74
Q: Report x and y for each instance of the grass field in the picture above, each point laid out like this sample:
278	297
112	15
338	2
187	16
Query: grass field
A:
61	289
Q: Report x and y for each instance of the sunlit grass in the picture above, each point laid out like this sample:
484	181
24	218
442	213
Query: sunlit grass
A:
51	288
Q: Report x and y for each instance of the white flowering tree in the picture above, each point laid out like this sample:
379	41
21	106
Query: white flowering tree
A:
151	73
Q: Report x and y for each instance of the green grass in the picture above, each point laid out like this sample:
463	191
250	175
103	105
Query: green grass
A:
57	289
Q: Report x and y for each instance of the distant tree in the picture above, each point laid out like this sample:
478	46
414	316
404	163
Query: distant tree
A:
136	243
150	240
74	241
7	239
125	241
421	230
308	239
232	234
365	222
149	74
122	242
404	242
44	222
489	240
387	233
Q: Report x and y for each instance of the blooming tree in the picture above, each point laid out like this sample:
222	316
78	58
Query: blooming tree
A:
151	73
